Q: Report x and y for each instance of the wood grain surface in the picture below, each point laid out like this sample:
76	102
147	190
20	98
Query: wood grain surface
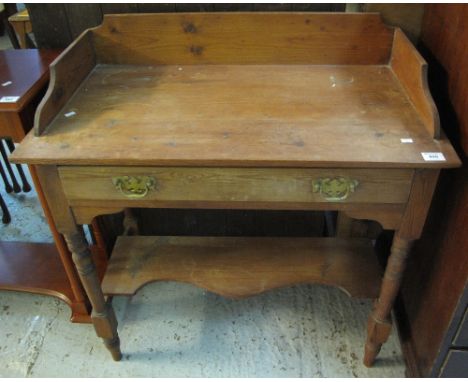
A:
237	115
243	38
75	17
240	267
424	184
86	185
411	70
67	73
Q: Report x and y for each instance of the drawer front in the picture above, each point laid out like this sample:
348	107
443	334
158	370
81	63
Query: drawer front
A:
171	184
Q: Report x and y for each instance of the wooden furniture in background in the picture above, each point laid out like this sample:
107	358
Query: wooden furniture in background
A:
44	268
22	26
9	9
314	115
434	293
24	76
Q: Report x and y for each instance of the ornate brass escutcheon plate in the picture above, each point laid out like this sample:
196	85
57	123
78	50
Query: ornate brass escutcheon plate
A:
334	189
134	187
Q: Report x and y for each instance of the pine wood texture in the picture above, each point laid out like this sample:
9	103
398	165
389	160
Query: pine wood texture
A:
235	115
424	184
55	197
411	70
240	267
85	185
102	315
379	327
75	17
67	73
243	38
187	103
411	227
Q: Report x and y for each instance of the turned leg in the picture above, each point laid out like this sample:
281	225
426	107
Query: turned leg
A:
102	315
130	223
379	324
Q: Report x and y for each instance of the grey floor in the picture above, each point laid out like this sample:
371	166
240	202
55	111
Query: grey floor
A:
5	42
176	330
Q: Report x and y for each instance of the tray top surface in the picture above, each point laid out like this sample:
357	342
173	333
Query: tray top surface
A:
239	115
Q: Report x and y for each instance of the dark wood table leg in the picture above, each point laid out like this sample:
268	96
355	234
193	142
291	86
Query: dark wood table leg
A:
19	167
16	186
6	218
6	182
102	315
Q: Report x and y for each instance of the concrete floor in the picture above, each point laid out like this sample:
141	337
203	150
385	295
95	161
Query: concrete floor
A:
5	42
176	330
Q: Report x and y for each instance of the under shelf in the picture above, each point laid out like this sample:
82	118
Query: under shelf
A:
240	266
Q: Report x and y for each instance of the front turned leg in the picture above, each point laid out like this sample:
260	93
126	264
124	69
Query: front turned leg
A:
102	315
379	324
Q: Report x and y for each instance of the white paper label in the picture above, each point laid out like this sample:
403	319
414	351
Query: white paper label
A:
433	157
9	99
7	83
70	114
406	140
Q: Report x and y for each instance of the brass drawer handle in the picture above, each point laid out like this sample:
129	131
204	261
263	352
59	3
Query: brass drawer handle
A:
336	188
134	187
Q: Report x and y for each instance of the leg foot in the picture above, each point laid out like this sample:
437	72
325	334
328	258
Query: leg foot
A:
377	334
103	315
113	345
